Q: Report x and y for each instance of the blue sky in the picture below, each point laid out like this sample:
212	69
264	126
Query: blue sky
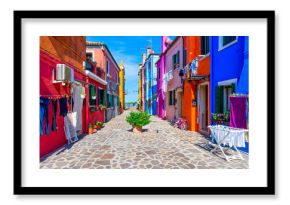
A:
129	49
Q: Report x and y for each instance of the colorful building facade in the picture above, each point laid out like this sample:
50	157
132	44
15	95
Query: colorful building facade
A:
151	83
174	87
105	60
140	88
161	83
122	86
62	50
229	70
196	103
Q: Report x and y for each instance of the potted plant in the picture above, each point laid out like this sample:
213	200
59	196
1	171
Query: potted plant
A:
102	107
137	120
99	125
91	128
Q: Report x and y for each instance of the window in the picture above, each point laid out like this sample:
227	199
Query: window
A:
225	41
101	96
222	97
175	60
92	95
184	57
89	56
117	78
109	100
171	97
108	67
158	73
204	45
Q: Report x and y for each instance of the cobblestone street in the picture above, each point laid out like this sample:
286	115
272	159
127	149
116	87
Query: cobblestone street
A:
160	146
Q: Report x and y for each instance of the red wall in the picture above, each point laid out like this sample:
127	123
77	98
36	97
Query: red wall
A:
49	143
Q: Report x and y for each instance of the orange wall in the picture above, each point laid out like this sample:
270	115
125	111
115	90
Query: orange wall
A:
69	49
204	66
192	46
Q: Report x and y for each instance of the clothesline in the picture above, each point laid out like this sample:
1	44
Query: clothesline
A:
55	96
239	95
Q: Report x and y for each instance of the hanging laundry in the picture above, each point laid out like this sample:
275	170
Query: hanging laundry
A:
44	102
238	112
69	127
54	111
63	106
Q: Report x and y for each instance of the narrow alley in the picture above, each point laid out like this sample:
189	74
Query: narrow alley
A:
160	146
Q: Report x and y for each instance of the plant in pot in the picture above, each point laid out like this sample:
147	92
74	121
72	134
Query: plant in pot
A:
103	107
137	120
91	128
99	125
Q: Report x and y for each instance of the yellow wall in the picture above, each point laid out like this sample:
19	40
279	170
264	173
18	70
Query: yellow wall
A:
121	86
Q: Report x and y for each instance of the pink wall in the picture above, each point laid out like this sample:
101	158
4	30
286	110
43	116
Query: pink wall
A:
177	45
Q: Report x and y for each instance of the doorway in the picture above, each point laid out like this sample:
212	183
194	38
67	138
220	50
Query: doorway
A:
203	107
179	104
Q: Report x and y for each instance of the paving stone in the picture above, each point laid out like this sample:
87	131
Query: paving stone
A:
103	162
108	156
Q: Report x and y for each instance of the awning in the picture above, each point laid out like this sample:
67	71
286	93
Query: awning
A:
198	77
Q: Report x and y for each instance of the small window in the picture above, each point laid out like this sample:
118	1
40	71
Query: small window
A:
171	97
175	60
184	57
158	73
89	56
101	97
226	40
204	45
108	67
92	95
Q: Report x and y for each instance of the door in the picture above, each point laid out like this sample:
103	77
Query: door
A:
203	107
115	106
179	104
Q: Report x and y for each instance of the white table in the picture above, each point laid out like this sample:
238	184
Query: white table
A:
225	135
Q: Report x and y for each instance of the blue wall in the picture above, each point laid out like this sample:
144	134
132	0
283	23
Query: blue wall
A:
151	91
227	64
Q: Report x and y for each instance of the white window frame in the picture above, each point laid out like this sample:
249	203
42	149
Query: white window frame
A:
91	52
108	67
222	47
227	83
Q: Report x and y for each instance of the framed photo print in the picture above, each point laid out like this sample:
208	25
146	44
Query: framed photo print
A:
144	102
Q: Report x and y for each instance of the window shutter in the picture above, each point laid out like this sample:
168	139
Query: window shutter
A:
178	58
99	96
173	60
184	57
233	87
219	92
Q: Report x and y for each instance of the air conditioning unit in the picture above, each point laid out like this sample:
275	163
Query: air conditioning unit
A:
63	73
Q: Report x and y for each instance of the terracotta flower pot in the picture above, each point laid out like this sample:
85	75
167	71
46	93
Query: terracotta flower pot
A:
98	127
137	129
91	130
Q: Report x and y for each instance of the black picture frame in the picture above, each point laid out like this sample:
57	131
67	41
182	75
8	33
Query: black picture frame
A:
268	190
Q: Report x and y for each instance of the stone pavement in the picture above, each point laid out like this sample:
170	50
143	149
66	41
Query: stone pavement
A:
160	146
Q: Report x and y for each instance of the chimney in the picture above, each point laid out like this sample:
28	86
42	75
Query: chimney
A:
164	43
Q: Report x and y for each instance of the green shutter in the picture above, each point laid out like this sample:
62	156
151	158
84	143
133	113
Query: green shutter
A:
233	87
178	59
219	98
170	98
99	96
